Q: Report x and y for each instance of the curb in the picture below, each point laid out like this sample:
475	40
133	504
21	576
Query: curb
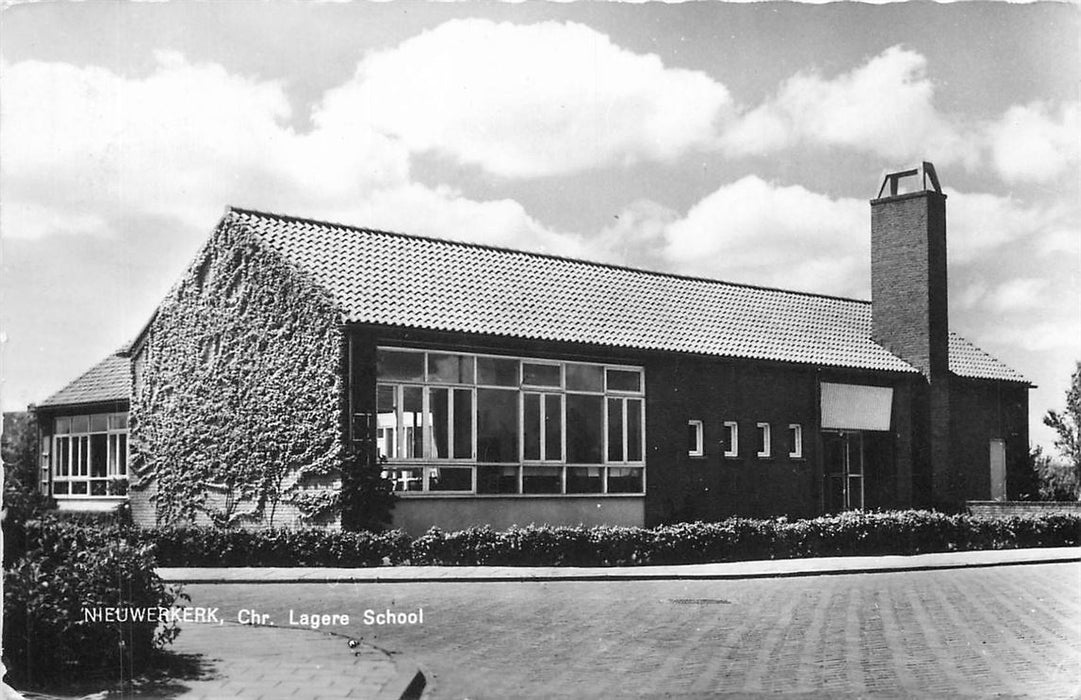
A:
672	573
408	684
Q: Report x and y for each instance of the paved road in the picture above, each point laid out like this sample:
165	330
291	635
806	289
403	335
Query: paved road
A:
1013	630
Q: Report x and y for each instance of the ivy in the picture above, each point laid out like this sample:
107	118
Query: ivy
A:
236	413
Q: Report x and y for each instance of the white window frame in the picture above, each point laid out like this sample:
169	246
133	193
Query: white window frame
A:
731	431
80	443
796	448
697	449
766	450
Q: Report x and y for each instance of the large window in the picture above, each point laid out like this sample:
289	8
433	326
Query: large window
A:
455	422
90	455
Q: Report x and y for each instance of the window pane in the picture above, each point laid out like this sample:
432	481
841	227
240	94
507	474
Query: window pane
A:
634	430
584	425
412	418
553	427
531	427
118	421
540	375
122	456
585	377
624	380
497	479
615	430
497	426
760	440
463	425
624	480
438	404
497	371
63	455
98	454
453	369
407	479
387	421
112	453
98	488
450	479
80	424
78	488
692	437
63	426
392	364
99	422
60	488
542	480
584	479
84	455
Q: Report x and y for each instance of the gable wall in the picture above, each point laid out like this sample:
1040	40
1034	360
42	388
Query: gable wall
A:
236	408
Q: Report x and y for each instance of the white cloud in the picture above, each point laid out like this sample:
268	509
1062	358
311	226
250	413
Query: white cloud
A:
85	148
1035	143
529	100
979	222
1022	294
885	107
786	236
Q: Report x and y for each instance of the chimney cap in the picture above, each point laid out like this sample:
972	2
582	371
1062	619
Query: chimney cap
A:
926	171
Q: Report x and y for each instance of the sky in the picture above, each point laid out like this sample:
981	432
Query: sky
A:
740	142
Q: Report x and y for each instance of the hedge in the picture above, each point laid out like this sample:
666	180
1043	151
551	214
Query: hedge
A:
734	539
69	566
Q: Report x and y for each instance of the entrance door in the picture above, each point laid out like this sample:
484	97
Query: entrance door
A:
843	465
998	470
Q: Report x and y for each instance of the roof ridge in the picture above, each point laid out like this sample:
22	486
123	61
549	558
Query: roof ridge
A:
550	256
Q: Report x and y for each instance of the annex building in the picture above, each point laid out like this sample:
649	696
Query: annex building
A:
506	387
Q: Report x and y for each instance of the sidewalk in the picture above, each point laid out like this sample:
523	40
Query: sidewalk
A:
272	662
823	566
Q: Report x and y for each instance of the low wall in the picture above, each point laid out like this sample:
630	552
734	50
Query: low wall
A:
449	513
1007	508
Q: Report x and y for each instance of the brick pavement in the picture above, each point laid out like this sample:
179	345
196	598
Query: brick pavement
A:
976	632
242	661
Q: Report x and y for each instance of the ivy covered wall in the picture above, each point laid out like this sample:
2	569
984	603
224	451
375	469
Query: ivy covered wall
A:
237	401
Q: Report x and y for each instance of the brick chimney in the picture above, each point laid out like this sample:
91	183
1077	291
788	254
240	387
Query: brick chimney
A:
910	310
909	306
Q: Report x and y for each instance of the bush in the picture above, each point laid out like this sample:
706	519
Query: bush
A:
72	566
207	546
735	539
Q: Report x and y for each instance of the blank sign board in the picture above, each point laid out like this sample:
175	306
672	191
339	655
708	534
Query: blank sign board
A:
856	407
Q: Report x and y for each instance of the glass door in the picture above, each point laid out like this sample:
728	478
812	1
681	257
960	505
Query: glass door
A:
843	466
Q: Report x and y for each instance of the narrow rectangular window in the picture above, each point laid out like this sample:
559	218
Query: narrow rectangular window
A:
694	438
763	441
731	438
795	441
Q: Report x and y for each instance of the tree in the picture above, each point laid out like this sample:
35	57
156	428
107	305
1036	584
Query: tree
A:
1067	424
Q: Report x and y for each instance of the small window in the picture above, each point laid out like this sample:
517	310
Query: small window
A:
795	441
763	445
535	374
731	438
694	438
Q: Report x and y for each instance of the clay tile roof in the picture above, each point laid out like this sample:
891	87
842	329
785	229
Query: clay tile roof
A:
109	380
410	281
967	360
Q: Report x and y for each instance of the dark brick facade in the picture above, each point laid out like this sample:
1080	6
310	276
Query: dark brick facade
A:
982	411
